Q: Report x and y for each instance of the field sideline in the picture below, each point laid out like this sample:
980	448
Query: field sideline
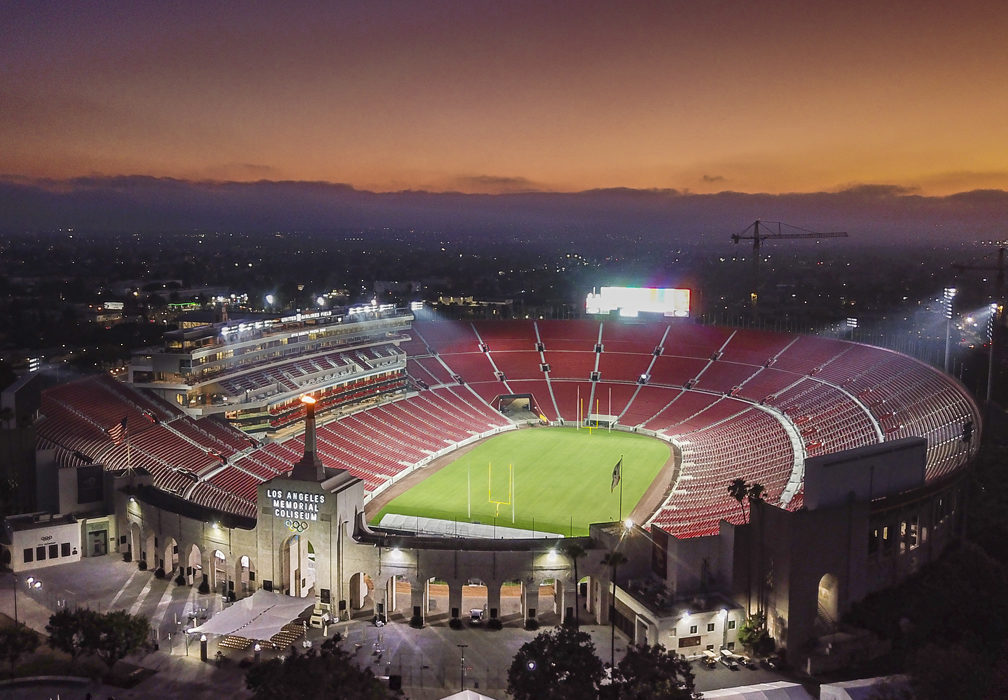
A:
562	480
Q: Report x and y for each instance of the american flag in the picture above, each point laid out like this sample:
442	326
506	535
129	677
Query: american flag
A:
118	432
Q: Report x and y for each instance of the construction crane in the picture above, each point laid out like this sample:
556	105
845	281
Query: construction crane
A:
754	233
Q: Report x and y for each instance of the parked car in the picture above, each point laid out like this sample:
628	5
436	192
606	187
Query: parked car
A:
745	661
709	658
728	659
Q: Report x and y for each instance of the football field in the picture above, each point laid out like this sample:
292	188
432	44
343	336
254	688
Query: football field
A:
544	479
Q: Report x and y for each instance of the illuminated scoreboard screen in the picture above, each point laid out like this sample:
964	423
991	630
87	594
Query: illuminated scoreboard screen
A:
631	301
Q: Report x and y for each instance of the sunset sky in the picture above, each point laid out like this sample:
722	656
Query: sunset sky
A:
511	96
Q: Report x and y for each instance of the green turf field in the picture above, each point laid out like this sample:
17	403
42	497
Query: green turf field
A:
562	479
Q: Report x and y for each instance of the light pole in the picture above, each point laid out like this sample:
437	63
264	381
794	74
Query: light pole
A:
991	329
462	648
949	295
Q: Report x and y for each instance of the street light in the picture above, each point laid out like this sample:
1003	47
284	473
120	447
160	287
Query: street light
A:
949	295
462	648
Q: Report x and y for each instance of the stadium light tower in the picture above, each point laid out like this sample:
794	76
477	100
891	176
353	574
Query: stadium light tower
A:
950	293
991	330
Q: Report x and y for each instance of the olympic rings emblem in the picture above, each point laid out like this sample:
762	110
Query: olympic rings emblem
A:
296	525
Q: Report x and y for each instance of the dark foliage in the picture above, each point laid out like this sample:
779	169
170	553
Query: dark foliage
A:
329	673
556	664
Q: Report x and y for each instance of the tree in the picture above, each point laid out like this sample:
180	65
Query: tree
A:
613	559
110	637
753	634
119	634
330	672
653	672
66	630
738	490
556	665
15	642
575	551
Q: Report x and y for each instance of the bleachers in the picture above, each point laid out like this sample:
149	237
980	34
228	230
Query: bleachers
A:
724	376
755	347
684	405
569	335
447	336
675	370
831	395
507	335
632	337
435	369
566	364
691	340
648	402
622	366
471	366
518	365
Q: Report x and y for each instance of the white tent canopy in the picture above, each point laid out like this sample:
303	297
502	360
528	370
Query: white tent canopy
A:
259	616
467	695
775	690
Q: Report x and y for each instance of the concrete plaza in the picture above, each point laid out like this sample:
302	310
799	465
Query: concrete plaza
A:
428	660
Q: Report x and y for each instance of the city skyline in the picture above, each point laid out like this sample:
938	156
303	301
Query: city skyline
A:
511	97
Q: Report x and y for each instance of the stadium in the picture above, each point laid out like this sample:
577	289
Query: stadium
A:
398	453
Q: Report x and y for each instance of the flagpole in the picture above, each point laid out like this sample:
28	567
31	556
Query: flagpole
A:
621	488
577	407
469	490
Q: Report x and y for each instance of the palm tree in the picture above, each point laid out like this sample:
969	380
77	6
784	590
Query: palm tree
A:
755	492
614	559
574	550
738	490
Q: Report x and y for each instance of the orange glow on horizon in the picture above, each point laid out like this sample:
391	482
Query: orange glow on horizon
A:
517	96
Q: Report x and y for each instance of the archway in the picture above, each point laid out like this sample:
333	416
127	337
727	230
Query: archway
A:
512	600
361	595
298	557
170	556
218	571
399	597
244	575
150	553
474	601
194	565
828	601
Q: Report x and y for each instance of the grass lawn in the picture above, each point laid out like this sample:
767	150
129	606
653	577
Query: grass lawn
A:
562	479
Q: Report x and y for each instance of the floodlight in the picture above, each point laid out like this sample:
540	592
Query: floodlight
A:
269	299
628	524
308	400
